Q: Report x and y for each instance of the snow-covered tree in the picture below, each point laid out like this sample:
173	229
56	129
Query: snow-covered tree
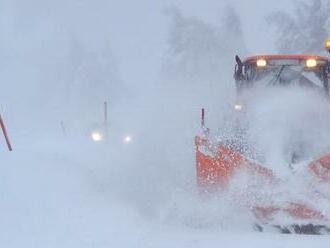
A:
95	73
194	46
199	50
305	30
198	67
232	33
91	77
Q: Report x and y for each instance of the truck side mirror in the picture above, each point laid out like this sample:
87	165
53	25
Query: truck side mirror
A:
238	68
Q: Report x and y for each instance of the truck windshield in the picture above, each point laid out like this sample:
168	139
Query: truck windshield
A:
286	75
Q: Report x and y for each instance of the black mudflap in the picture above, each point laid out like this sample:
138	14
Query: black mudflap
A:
308	229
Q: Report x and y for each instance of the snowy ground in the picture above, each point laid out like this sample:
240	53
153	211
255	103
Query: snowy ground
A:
62	192
69	192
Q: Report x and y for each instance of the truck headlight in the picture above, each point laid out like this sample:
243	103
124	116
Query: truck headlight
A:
97	136
310	63
261	63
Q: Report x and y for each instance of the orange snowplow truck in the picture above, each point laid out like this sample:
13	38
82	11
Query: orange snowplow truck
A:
217	161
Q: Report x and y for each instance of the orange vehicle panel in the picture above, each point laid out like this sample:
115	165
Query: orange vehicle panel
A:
321	167
288	56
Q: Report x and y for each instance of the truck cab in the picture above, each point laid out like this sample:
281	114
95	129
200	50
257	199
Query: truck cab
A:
308	71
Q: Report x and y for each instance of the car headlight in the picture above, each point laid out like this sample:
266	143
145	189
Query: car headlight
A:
238	107
96	136
127	139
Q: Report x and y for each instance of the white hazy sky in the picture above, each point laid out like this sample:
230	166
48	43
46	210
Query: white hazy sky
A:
140	28
136	30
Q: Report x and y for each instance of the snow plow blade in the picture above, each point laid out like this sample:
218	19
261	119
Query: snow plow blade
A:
216	164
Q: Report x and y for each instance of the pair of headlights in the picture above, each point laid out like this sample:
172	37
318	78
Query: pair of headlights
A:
98	136
309	63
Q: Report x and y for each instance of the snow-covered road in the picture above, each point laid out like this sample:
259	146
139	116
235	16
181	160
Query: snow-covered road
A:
55	194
